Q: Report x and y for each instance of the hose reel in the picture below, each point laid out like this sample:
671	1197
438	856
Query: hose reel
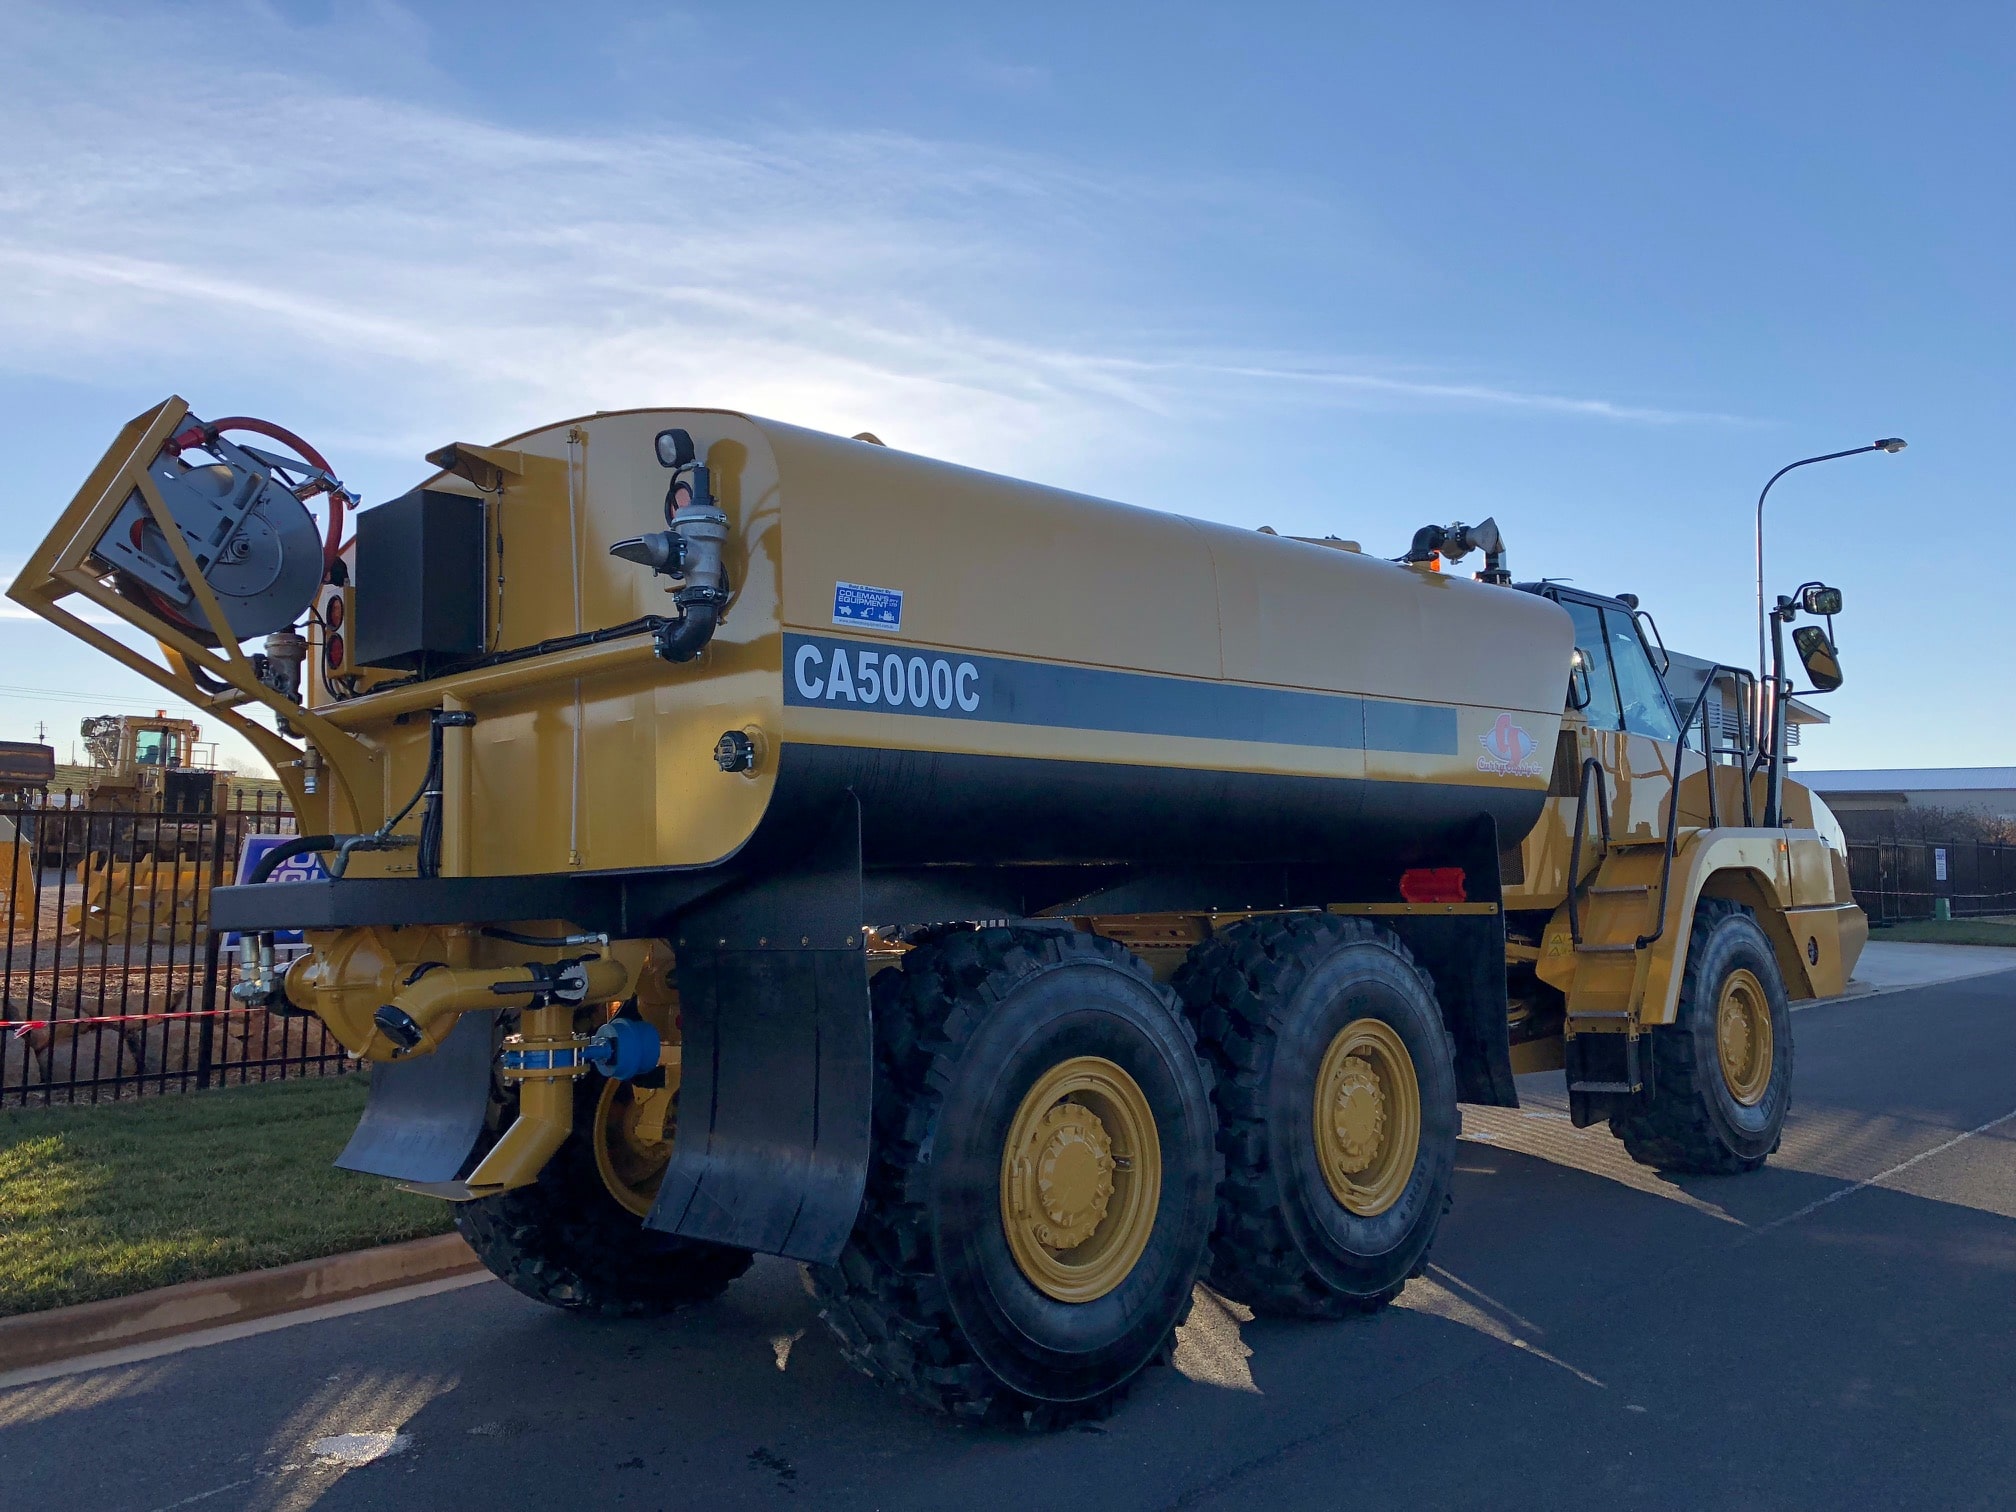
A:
244	519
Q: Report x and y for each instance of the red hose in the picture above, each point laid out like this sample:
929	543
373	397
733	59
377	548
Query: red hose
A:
332	540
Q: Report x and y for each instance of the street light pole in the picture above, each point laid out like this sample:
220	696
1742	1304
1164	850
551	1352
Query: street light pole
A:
1892	444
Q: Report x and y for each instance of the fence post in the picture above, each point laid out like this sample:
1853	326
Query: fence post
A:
206	1034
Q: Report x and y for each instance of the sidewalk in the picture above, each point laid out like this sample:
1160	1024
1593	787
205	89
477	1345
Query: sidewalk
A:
1887	967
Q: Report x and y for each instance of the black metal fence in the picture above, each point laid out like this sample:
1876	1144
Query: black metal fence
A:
114	984
1896	880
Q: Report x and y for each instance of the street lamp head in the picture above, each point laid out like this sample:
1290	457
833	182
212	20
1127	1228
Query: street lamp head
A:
1892	444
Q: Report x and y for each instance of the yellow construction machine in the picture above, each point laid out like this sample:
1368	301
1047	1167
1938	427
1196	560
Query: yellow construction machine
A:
1012	904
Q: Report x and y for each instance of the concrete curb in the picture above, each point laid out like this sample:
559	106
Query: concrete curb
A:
93	1327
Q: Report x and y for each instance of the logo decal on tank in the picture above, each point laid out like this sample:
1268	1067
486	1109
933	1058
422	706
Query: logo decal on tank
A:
870	608
1508	750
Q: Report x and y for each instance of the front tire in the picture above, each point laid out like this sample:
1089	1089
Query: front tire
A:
575	1238
1336	1093
1722	1071
1040	1192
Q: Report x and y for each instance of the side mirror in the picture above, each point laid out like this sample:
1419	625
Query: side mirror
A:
1578	681
675	449
1817	599
1817	654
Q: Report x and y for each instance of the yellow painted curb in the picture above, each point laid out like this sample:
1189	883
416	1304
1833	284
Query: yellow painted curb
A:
90	1327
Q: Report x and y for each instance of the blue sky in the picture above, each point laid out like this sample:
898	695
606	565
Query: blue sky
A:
1597	271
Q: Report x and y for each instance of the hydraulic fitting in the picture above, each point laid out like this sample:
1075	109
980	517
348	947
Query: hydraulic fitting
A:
624	1049
433	996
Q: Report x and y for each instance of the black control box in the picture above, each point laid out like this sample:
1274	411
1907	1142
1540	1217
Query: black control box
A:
418	599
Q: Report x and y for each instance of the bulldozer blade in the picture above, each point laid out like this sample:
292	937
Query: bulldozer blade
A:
425	1115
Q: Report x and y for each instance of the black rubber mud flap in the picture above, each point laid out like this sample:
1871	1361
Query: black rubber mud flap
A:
426	1114
771	1152
1464	954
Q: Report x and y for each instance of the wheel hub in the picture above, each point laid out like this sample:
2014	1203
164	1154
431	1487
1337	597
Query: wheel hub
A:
1743	1042
1358	1116
633	1133
1074	1175
1081	1179
1366	1120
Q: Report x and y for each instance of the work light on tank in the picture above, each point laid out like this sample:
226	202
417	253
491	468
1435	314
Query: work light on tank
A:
675	449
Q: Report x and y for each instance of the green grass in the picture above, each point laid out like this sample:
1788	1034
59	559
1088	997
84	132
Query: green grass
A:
106	1201
1996	931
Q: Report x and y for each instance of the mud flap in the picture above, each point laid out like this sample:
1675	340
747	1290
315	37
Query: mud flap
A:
771	1152
426	1114
1464	954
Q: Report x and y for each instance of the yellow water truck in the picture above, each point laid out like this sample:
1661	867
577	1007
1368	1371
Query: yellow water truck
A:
1014	905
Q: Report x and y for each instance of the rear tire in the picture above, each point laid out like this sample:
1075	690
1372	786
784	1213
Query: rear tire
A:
566	1240
1285	1005
951	1288
1722	1071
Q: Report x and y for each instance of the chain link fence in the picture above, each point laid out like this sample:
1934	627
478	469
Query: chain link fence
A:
114	984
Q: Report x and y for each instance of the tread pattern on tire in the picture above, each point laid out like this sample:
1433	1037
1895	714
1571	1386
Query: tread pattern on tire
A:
1673	1131
883	1301
566	1242
1228	985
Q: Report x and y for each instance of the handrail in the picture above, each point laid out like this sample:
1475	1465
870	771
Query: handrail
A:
1589	764
1673	803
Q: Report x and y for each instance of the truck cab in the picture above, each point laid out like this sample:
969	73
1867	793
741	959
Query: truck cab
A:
1604	894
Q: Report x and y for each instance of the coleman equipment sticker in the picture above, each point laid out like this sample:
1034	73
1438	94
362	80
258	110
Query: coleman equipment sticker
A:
870	608
1508	750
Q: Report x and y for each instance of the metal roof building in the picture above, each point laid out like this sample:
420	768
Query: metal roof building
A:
1989	791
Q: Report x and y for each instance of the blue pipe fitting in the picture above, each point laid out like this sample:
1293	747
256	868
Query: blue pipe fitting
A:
623	1049
567	1059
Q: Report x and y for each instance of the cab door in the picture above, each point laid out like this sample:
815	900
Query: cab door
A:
1603	736
1651	740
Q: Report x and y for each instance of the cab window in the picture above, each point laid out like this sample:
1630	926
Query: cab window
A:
1603	712
150	748
1639	687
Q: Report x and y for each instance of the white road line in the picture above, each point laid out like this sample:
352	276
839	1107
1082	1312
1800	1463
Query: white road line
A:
1899	1168
190	1501
132	1353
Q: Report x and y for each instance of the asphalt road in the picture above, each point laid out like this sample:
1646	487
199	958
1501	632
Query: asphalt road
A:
1837	1330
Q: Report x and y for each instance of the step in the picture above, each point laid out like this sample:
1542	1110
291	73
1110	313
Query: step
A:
1621	887
1622	948
1601	1087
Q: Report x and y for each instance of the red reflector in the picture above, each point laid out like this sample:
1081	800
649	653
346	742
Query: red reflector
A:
1432	884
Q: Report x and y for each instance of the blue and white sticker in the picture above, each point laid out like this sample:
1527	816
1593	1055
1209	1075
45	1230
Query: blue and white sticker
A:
303	868
870	608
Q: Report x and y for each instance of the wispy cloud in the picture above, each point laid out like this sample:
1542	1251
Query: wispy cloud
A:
284	235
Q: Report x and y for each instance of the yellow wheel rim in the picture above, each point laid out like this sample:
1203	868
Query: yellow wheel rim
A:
1367	1118
1081	1178
1743	1037
633	1139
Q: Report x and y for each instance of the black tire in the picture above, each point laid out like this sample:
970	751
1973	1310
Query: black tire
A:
566	1241
1270	996
1690	1122
927	1295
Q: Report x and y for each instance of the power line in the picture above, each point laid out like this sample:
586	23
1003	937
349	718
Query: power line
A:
64	695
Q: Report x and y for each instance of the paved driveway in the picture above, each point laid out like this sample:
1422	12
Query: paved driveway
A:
1837	1330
